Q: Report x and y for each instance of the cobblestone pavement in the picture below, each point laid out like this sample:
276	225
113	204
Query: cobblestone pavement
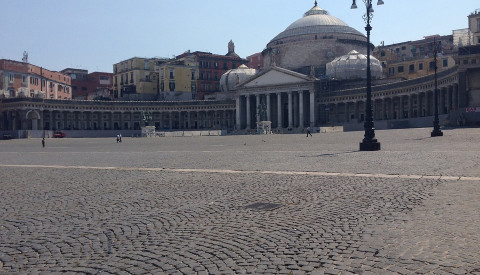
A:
242	204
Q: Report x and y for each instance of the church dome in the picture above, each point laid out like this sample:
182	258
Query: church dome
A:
312	41
316	21
353	66
233	77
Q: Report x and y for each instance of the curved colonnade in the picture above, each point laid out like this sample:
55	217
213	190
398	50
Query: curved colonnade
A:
292	106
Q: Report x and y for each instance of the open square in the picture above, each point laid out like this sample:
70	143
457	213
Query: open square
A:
263	204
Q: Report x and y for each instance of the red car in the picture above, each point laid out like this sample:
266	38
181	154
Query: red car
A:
59	135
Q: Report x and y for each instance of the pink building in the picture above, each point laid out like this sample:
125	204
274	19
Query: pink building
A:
19	79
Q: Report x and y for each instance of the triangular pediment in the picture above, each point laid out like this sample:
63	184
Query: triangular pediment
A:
275	76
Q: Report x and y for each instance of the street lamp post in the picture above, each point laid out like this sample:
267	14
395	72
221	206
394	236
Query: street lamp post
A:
369	142
436	125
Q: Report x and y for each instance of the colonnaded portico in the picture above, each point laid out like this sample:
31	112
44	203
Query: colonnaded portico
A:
46	114
402	100
288	99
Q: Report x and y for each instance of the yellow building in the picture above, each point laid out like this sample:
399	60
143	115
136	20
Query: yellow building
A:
178	78
418	67
134	78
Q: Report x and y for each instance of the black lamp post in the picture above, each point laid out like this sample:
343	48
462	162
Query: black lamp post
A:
369	142
436	125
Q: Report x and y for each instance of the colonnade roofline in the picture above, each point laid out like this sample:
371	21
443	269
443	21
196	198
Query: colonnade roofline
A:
118	103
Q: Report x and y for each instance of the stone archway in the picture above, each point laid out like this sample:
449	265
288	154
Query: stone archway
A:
33	118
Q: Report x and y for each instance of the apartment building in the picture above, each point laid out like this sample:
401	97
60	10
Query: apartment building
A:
21	79
133	78
90	86
178	79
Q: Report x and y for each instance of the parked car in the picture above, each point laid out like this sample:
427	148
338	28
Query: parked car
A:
59	135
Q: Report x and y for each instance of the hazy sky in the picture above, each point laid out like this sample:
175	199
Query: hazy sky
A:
95	34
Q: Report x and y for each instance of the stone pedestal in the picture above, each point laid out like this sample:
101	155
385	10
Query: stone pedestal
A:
264	127
148	131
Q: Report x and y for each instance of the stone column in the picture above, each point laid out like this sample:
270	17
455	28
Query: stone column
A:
170	120
449	98
392	108
455	97
121	126
100	118
279	111
269	109
249	120
111	120
441	107
189	123
290	110
312	108
198	119
357	110
51	113
419	105
346	111
42	126
384	108
410	106
237	111
400	108
131	120
257	102
295	110
301	122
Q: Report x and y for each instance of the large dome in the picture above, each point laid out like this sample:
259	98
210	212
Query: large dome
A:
312	41
316	21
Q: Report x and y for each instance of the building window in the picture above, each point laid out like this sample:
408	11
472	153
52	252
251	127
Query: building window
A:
465	61
225	67
162	86
400	69
216	65
126	78
208	76
24	78
432	65
171	86
420	66
193	74
445	63
201	76
131	77
200	64
216	76
411	68
474	61
391	71
478	28
382	53
10	77
161	74
172	74
403	48
147	65
193	88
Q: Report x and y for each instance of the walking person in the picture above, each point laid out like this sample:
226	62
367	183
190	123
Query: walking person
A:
308	131
118	138
43	142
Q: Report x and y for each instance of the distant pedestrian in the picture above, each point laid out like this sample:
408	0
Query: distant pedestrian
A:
43	142
118	138
120	135
308	131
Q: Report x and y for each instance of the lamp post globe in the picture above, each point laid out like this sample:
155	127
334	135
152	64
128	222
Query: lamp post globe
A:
369	142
